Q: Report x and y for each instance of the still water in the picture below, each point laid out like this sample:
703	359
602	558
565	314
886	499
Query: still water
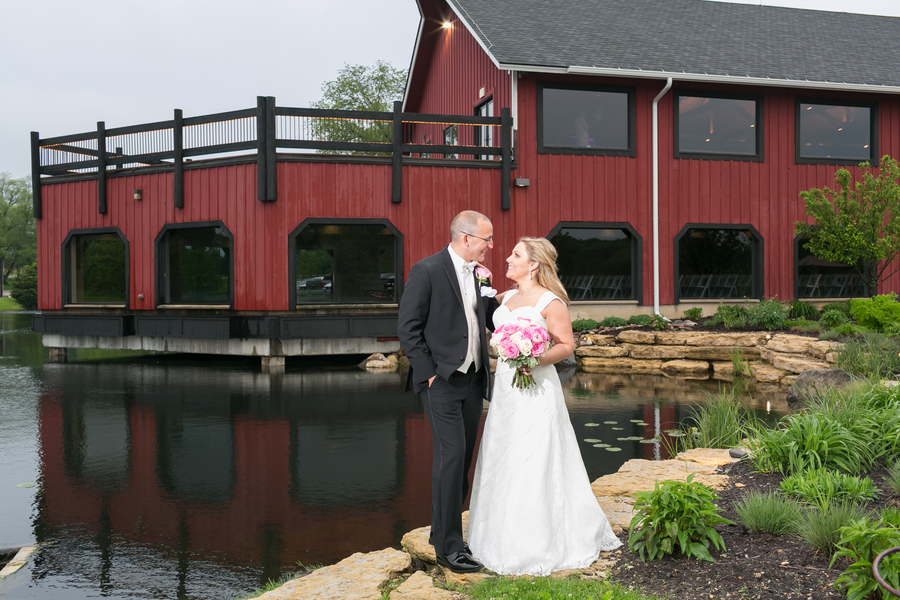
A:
176	476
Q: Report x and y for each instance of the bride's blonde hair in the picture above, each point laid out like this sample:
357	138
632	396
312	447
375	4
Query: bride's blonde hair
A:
541	251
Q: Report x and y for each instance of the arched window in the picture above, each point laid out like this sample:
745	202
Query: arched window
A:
718	261
95	267
195	264
351	261
598	261
818	278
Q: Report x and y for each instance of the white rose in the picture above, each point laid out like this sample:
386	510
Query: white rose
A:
524	346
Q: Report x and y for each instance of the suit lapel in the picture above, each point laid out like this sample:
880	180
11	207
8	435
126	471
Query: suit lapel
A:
450	270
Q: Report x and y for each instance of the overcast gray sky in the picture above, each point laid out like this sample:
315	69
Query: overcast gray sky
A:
67	65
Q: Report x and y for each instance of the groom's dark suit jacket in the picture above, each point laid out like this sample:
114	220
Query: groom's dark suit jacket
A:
432	321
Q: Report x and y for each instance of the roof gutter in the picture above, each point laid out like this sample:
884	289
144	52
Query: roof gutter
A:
656	194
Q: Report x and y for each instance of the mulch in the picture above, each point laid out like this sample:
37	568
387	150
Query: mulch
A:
754	566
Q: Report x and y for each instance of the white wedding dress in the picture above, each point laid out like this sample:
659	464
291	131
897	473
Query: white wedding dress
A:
532	509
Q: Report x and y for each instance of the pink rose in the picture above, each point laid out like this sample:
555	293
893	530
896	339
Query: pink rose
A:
536	336
545	334
482	274
509	328
538	349
510	350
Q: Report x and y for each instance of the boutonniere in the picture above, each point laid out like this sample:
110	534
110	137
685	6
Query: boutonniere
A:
484	281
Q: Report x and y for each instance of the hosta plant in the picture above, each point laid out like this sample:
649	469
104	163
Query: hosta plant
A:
861	541
676	515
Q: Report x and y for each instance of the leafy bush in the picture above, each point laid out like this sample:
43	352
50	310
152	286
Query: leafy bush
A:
809	441
803	310
613	322
829	335
860	542
821	487
832	318
659	323
768	314
869	355
732	316
821	528
640	319
24	289
713	321
849	330
694	314
676	514
890	516
876	313
769	512
583	324
893	477
842	307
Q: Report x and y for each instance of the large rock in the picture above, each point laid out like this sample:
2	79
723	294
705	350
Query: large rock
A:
644	351
636	337
618	365
686	369
723	370
697	338
358	577
600	351
421	587
597	339
767	373
640	475
823	349
378	362
791	344
710	457
810	384
797	364
720	352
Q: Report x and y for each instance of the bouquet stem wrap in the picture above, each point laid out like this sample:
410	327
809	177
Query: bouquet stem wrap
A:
521	343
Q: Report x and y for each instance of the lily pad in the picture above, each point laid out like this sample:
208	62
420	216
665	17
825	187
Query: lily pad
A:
613	449
25	485
610	422
640	423
592	424
618	429
636	421
625	439
634	438
675	433
650	441
601	445
591	441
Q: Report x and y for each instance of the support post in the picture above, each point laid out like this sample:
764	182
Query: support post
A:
178	147
271	147
261	162
36	174
397	153
101	167
505	157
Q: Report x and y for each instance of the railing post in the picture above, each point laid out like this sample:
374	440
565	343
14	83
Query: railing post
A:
271	146
505	157
178	147
101	167
396	151
261	162
36	174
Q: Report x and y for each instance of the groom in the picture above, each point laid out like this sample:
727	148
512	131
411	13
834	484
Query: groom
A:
441	324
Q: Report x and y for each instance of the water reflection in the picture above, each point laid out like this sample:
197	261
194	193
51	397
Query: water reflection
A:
185	477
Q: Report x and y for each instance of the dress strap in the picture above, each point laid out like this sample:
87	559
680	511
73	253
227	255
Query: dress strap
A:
508	295
545	299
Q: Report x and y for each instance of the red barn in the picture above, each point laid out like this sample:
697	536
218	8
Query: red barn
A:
661	146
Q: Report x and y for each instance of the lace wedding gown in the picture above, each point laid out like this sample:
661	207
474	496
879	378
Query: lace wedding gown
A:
532	509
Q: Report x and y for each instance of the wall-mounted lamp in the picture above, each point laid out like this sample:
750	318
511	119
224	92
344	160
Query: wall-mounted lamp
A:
446	25
137	195
520	182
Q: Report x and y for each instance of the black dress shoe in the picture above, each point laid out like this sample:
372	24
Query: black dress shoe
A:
459	562
465	547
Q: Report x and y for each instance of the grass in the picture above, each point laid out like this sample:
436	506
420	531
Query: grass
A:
821	488
874	355
893	478
547	588
821	528
276	583
769	512
9	304
720	422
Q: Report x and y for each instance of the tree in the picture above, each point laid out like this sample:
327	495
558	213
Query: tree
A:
18	239
359	87
858	223
24	288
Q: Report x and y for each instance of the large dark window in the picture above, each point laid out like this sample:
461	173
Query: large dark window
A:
836	133
96	267
713	262
484	134
721	127
196	264
346	262
581	119
818	278
598	261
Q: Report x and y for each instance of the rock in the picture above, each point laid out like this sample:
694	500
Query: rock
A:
416	543
698	338
597	339
394	358
723	370
766	372
815	381
636	337
618	510
618	365
379	362
823	349
738	453
643	351
797	364
358	577
709	457
686	369
720	352
791	344
640	475
421	587
600	351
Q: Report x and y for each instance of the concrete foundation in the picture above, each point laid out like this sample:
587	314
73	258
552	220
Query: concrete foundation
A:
58	355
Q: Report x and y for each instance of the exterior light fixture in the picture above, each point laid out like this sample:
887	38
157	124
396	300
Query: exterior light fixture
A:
446	25
521	182
137	195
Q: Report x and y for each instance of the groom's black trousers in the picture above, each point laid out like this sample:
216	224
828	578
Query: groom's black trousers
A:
454	411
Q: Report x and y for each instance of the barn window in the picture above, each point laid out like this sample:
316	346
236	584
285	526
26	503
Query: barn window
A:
96	267
585	119
720	127
196	264
715	261
819	278
839	133
346	261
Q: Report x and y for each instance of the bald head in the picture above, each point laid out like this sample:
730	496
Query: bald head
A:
468	221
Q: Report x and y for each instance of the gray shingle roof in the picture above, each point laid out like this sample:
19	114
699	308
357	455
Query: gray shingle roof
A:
689	36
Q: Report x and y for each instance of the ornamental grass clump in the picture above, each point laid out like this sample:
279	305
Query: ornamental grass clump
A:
676	515
860	542
802	310
769	512
821	528
872	355
820	487
719	422
893	477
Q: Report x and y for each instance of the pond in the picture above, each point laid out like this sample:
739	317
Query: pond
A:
181	476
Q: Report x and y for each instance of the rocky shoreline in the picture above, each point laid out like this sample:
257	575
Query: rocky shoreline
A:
412	571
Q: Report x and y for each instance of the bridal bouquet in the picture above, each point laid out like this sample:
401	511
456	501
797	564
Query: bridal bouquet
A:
519	344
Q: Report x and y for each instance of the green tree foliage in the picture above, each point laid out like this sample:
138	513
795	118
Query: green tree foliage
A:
858	223
360	87
24	288
18	240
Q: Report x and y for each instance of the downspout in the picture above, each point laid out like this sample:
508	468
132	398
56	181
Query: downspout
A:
514	102
656	195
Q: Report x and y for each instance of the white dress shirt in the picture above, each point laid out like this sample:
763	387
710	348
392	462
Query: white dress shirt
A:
465	276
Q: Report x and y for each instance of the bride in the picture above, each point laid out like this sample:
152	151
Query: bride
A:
532	510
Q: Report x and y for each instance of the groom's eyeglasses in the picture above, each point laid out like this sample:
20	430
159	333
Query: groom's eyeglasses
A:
487	240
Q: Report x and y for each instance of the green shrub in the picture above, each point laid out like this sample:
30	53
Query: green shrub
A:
811	328
640	319
821	487
842	307
712	321
821	528
732	316
768	314
829	335
876	313
832	318
676	515
769	512
893	476
583	324
803	310
869	355
694	314
860	542
24	289
893	330
849	330
890	516
613	322
659	323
